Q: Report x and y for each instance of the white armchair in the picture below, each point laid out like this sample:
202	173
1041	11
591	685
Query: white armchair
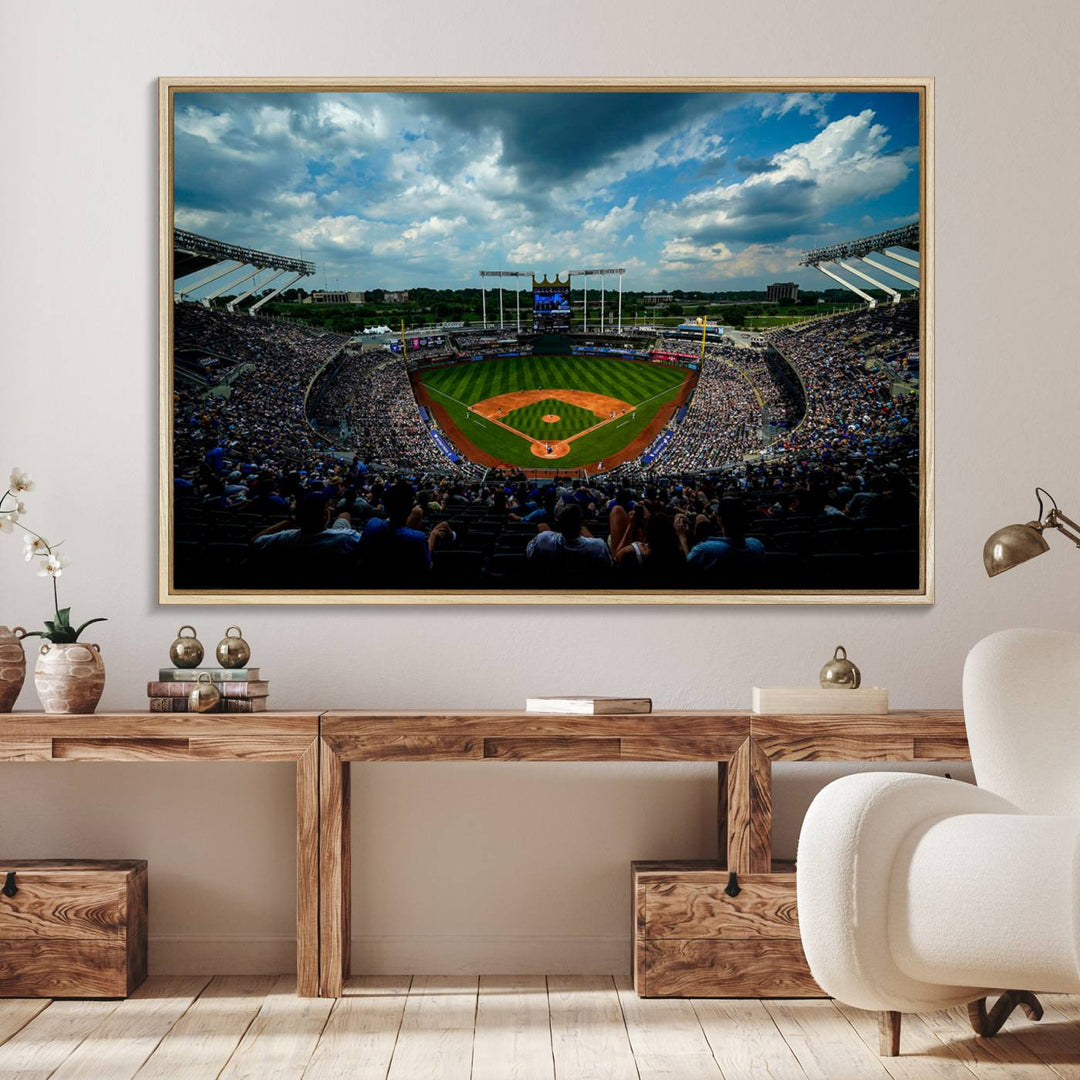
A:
918	893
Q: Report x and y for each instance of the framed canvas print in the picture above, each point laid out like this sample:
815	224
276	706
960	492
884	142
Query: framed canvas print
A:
562	341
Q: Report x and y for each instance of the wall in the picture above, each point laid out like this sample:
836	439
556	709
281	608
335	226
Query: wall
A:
494	867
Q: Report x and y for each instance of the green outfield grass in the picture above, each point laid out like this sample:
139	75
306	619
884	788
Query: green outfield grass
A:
647	386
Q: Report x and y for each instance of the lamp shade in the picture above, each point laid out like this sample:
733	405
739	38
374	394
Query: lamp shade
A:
1012	545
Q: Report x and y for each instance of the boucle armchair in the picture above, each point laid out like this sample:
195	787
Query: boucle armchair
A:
919	893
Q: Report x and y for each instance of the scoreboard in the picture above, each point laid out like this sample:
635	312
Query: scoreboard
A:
551	305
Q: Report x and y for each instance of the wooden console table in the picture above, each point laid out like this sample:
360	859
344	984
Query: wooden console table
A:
137	736
743	745
323	745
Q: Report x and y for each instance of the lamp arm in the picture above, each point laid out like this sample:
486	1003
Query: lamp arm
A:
1056	518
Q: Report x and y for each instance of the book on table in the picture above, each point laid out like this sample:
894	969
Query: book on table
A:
223	674
178	689
231	705
588	706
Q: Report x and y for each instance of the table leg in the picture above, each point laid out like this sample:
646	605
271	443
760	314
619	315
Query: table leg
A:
307	871
334	872
722	813
749	810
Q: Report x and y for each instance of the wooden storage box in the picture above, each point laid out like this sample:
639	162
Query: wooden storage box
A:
72	928
691	939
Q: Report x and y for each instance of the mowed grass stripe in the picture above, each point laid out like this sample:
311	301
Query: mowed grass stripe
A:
530	419
637	383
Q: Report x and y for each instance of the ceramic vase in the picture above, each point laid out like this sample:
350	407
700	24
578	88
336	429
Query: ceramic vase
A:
69	678
12	666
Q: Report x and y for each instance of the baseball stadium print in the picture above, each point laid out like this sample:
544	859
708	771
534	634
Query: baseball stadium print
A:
546	342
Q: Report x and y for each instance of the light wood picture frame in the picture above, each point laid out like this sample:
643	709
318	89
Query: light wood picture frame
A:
791	453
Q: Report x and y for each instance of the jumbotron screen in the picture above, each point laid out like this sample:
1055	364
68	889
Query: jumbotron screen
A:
551	306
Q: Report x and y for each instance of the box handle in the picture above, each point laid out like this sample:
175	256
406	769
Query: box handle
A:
732	887
9	884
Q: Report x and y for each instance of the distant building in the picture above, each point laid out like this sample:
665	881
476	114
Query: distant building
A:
396	296
324	296
782	290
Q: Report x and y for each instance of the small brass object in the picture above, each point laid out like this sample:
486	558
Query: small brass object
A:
204	695
186	651
233	652
840	673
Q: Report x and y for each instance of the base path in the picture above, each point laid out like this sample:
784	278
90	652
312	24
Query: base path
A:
494	407
629	452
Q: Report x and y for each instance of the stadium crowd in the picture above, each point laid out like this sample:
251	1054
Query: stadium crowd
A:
262	501
371	390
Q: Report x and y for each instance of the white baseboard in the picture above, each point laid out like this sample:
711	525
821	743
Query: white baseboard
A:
430	954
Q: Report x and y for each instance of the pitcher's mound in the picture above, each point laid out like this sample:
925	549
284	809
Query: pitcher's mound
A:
551	418
551	450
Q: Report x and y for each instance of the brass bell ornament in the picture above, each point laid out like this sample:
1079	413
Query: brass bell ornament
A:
186	651
233	652
204	695
840	673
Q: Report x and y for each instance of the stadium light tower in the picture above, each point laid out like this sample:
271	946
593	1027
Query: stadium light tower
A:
502	274
586	274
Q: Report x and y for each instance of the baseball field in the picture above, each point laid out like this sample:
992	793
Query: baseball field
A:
560	412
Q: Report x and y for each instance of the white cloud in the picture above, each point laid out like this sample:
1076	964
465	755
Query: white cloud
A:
813	105
846	161
203	124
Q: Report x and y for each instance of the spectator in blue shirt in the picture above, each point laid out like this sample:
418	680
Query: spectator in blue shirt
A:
729	560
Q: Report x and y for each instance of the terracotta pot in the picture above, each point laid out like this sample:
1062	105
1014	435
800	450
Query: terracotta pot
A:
12	666
69	678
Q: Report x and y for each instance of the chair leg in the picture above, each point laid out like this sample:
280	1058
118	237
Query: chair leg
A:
988	1024
889	1033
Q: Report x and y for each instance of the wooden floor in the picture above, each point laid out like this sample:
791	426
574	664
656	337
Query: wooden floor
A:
522	1027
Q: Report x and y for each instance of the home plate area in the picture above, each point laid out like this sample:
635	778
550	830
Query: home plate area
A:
550	420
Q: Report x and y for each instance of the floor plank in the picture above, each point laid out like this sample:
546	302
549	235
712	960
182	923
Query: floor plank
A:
745	1042
40	1048
826	1045
204	1038
588	1033
16	1013
358	1042
513	1029
665	1036
281	1039
1004	1057
436	1037
1056	1038
923	1056
117	1048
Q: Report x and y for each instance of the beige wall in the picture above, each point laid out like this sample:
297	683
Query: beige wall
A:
494	867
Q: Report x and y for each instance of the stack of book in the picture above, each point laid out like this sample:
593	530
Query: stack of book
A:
241	689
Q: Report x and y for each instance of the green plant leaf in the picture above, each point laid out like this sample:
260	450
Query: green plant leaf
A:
86	624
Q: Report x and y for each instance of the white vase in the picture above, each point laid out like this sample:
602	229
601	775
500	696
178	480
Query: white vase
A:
69	678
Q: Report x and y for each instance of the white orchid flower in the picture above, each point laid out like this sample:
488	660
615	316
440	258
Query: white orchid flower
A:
20	481
34	545
53	566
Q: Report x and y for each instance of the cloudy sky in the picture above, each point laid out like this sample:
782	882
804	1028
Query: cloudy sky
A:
692	191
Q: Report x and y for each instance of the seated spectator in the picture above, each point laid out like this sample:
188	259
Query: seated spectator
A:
307	551
396	552
647	552
730	560
567	556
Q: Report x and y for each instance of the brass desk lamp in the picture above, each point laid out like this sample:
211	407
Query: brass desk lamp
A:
1014	544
